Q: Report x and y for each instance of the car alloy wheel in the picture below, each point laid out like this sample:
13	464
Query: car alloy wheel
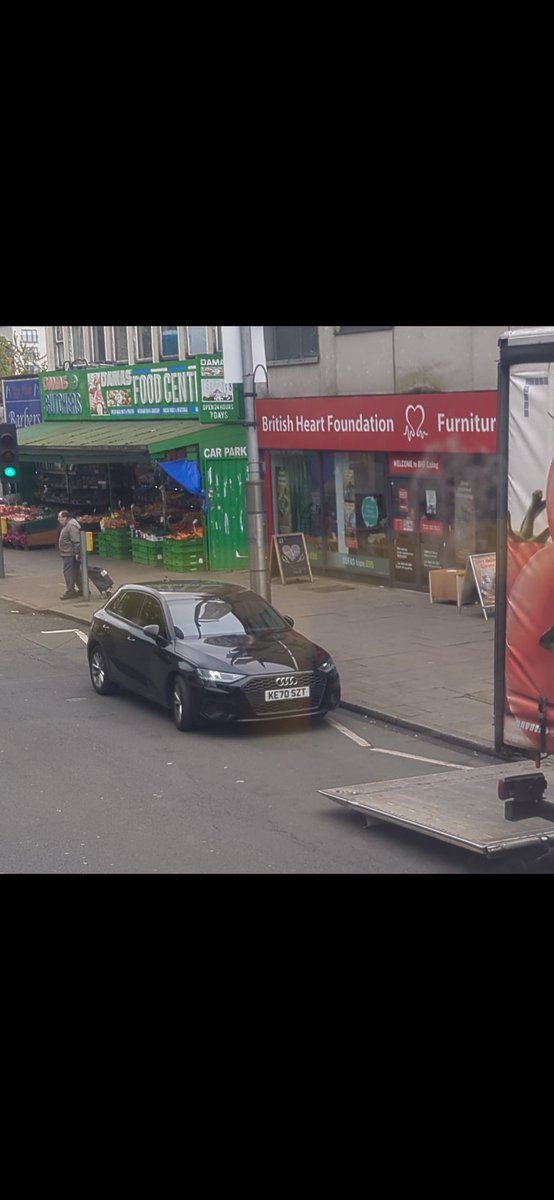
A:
99	673
181	705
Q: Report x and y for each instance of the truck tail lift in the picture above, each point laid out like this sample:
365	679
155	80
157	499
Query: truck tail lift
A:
465	812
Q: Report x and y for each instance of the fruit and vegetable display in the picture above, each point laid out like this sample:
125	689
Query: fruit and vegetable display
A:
22	520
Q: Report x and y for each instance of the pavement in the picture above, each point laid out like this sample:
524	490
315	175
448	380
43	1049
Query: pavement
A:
426	667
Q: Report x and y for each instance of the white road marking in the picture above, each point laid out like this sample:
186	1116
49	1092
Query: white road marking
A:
439	762
79	632
348	733
419	758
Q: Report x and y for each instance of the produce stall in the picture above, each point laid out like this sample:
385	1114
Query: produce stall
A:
25	526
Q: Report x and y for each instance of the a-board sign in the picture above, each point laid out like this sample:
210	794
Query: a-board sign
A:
479	584
290	552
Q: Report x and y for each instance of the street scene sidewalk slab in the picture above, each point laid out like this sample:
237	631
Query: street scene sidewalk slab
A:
426	666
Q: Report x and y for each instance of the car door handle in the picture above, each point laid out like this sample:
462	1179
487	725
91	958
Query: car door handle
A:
130	639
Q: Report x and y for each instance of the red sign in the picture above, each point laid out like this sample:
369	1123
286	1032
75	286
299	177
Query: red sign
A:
426	526
409	464
447	422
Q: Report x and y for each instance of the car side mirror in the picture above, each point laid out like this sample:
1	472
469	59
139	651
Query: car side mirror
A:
289	620
151	631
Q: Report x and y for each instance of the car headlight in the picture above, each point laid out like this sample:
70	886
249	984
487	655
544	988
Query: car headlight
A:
327	666
217	676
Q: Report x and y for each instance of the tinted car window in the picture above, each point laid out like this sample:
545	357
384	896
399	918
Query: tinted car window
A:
214	617
127	606
151	614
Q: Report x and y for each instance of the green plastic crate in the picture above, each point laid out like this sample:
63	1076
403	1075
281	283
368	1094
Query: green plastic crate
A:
150	553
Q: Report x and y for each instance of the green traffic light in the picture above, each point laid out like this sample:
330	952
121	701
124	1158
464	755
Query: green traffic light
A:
9	472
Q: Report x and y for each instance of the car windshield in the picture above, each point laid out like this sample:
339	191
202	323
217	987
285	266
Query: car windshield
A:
214	616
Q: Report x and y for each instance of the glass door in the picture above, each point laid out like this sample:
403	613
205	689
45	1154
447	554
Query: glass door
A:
418	529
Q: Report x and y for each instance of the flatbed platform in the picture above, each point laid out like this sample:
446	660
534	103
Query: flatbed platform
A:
461	808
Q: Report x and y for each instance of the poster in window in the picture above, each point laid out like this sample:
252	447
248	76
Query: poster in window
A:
349	493
283	501
464	522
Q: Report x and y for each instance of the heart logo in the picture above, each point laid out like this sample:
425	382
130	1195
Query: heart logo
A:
415	420
291	553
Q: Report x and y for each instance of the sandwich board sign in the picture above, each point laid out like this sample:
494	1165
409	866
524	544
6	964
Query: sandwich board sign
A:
479	584
291	553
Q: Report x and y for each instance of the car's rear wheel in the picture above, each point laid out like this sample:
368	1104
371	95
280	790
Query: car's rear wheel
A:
99	672
181	705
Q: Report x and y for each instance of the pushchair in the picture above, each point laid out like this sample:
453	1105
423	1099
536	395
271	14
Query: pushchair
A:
101	580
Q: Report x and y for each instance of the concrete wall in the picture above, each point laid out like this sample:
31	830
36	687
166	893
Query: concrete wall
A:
447	357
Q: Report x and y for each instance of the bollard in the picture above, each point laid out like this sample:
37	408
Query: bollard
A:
84	565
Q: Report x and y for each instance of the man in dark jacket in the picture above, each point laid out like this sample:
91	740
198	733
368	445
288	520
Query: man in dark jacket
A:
69	546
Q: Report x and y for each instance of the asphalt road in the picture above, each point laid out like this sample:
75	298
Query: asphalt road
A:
107	785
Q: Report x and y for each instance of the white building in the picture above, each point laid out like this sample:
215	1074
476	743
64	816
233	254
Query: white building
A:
31	338
127	343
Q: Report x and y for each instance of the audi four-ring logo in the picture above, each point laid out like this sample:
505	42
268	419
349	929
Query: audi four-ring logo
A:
286	681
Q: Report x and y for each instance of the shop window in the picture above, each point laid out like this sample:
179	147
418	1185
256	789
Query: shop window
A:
355	512
121	349
143	334
169	341
291	343
98	344
296	481
197	339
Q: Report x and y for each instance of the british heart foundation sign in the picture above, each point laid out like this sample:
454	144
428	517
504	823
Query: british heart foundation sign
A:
448	422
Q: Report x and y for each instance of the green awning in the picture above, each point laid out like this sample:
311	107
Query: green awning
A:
105	441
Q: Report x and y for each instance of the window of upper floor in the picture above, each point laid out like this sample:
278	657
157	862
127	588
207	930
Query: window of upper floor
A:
143	340
362	328
120	346
291	343
169	341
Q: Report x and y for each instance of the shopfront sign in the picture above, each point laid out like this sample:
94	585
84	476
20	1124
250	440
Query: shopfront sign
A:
406	464
218	399
449	422
21	402
194	389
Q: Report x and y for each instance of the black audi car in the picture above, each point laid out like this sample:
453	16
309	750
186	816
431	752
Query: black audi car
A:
209	652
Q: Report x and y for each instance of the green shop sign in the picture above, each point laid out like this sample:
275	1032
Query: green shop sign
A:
63	395
194	389
218	399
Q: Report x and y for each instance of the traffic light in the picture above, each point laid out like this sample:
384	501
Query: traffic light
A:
9	454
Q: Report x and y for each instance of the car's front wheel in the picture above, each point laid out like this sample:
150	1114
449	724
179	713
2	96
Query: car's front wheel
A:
181	705
99	673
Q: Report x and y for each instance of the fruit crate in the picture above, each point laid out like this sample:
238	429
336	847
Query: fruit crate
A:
115	543
184	556
149	553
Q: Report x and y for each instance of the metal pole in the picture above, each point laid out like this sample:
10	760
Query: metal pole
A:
255	506
84	565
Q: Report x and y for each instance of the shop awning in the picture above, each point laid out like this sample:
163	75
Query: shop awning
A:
105	441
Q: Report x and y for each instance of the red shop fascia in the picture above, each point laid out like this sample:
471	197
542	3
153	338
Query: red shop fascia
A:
417	433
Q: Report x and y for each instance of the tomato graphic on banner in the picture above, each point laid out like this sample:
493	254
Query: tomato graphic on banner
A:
529	648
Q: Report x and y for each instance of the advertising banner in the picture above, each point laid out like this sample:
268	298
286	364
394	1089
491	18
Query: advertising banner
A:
529	638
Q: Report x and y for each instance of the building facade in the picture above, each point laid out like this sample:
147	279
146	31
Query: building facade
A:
127	343
378	442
